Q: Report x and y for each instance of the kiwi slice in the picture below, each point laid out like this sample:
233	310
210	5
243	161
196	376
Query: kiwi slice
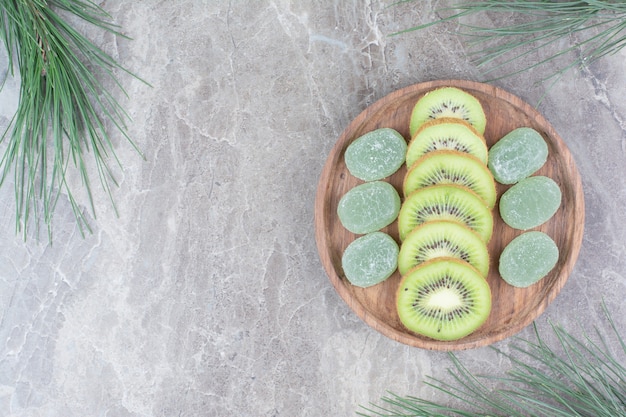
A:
448	102
444	299
451	167
445	202
446	133
443	239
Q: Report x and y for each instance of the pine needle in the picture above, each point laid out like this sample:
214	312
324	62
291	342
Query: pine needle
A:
62	108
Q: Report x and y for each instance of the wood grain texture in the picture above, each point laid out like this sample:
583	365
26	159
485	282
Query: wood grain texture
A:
513	308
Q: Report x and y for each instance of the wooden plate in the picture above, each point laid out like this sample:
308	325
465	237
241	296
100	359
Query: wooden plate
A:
512	308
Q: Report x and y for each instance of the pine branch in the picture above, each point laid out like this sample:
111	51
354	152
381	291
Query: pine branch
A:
579	376
62	109
592	29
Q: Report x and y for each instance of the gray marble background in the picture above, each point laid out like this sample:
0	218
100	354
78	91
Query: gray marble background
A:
206	297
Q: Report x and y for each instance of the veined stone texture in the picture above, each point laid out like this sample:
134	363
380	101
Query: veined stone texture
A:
204	295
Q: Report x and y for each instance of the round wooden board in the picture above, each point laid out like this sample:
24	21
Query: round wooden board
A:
512	308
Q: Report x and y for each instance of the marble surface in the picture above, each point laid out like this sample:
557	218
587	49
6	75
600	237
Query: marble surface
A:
205	295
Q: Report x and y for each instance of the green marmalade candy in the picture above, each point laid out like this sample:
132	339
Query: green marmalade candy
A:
530	203
528	258
376	154
370	259
369	207
517	155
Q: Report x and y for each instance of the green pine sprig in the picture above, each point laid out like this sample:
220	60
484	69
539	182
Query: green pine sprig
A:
62	109
591	30
576	376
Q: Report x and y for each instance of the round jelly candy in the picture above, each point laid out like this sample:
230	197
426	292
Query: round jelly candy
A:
370	259
376	154
517	155
369	207
530	202
528	258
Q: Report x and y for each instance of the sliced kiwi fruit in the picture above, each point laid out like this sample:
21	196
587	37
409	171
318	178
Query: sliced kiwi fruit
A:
445	202
446	133
443	238
451	167
444	299
448	102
